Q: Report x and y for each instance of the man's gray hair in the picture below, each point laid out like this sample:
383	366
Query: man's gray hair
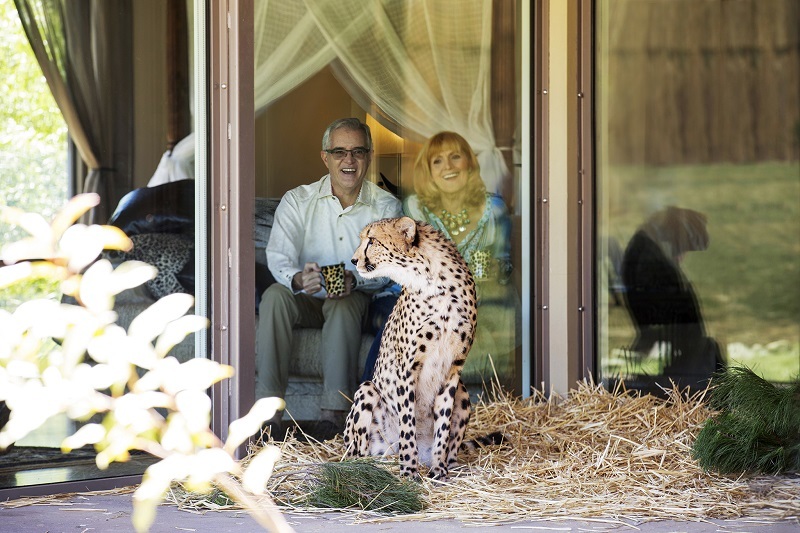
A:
352	124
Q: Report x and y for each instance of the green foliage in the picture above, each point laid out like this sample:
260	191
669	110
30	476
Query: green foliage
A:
27	101
15	294
363	484
757	428
33	135
94	368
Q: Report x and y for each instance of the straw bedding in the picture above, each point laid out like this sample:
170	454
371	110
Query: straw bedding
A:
612	457
597	455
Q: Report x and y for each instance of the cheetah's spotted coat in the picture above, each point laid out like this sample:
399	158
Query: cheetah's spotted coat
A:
416	404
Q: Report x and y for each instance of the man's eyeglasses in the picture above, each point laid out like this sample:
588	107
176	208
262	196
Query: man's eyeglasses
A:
341	153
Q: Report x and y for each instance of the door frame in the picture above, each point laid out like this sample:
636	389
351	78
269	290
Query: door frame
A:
231	182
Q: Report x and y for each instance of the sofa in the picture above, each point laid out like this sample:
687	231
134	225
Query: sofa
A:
160	222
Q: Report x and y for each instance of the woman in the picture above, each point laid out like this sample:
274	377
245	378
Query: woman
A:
450	195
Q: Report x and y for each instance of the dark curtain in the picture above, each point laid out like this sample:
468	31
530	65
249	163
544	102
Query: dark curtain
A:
84	48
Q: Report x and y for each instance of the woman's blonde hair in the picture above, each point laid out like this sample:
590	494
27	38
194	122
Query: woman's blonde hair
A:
424	186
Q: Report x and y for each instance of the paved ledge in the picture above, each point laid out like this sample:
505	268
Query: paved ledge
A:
112	513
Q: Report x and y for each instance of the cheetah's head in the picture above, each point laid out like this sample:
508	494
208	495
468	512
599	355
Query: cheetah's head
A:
387	249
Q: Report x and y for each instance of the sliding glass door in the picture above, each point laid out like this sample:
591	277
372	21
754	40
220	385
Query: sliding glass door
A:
698	179
409	70
121	75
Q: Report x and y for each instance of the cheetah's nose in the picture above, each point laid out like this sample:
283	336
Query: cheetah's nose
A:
354	261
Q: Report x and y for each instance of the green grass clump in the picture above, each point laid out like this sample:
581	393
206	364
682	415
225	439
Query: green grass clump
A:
757	428
363	484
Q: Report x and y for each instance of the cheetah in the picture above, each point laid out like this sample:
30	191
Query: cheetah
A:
416	405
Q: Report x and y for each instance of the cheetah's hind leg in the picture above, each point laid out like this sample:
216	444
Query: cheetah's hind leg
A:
458	425
358	426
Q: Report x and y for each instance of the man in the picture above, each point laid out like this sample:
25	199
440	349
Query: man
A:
316	225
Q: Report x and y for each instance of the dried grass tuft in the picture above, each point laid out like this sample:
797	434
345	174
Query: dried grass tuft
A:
594	454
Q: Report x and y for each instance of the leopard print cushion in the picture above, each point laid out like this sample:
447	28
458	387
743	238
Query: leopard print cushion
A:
169	253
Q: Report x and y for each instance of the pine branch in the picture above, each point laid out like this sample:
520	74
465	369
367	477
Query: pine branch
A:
757	428
363	484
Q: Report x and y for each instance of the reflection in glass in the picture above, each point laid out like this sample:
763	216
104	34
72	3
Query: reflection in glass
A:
698	107
447	180
661	301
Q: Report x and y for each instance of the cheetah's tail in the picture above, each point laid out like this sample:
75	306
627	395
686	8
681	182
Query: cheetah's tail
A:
484	440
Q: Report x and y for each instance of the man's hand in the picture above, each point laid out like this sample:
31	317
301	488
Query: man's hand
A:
309	280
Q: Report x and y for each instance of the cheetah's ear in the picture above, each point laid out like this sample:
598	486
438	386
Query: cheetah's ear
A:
408	229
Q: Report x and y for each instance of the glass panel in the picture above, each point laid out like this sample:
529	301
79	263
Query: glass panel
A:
409	71
698	179
142	115
30	113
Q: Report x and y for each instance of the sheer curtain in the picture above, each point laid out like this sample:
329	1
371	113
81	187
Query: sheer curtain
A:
425	64
289	49
84	50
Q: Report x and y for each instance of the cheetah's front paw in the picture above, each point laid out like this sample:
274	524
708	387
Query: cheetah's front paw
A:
439	474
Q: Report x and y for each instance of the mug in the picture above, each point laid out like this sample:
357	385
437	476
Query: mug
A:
333	278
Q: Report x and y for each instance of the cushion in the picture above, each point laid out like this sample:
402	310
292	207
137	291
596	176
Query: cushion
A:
264	212
167	208
170	253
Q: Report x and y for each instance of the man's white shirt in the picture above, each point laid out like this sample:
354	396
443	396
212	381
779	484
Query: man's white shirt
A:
310	226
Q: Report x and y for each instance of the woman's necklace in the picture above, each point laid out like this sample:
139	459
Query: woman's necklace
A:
455	223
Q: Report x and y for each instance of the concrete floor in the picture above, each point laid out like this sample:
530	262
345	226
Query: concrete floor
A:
112	513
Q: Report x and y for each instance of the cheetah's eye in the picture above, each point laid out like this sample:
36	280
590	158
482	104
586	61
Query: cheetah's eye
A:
371	241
